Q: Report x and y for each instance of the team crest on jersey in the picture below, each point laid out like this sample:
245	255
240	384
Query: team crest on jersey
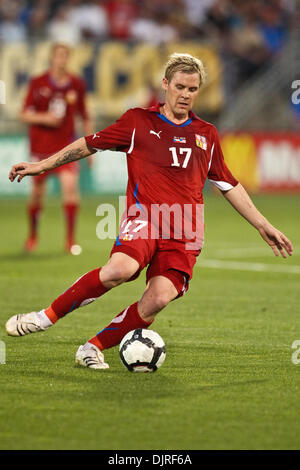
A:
201	141
180	140
71	96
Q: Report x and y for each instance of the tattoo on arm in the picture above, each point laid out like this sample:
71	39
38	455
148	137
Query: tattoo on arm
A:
69	156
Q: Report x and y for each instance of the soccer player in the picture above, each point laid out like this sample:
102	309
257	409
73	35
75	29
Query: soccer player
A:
170	153
52	102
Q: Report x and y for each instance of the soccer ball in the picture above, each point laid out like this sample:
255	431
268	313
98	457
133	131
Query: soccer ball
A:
142	350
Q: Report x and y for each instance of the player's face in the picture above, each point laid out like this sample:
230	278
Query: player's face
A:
181	92
59	59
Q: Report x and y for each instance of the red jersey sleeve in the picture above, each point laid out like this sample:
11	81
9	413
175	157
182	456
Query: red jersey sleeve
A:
29	98
218	173
119	135
82	110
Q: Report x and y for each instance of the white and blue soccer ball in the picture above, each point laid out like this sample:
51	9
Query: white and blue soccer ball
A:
142	350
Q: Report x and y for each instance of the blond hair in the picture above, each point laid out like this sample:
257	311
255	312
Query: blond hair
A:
57	45
184	63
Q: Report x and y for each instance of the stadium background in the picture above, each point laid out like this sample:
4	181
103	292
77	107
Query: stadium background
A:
251	53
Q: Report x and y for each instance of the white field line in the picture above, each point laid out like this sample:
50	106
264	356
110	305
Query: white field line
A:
243	266
249	252
243	252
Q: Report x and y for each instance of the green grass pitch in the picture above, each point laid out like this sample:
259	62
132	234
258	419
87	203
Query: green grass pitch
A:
228	381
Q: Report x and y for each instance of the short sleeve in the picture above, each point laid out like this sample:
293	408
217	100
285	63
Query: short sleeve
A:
117	136
219	174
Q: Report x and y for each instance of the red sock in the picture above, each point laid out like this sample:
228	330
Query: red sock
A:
84	291
33	216
70	211
129	319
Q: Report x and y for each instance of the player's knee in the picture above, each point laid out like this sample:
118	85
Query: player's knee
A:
71	196
148	309
161	301
115	275
37	194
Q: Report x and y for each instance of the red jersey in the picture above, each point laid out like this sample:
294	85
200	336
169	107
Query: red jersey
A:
167	163
65	101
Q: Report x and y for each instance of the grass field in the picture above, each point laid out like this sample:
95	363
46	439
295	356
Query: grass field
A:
228	381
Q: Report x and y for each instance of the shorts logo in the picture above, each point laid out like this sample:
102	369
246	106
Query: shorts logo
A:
181	140
201	141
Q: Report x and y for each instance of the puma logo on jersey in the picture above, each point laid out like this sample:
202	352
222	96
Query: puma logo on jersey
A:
95	135
156	133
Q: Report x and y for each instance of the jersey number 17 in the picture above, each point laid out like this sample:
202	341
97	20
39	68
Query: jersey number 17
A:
186	152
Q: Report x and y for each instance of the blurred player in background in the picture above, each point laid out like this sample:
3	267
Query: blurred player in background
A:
52	102
170	154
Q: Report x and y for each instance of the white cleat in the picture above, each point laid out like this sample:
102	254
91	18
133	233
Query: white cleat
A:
23	324
90	357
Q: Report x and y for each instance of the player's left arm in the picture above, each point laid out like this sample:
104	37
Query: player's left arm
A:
220	176
240	200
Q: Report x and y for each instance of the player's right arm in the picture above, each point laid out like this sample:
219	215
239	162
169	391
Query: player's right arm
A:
119	135
75	151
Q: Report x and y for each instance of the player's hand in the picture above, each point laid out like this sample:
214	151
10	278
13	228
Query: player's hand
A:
24	169
279	243
51	120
